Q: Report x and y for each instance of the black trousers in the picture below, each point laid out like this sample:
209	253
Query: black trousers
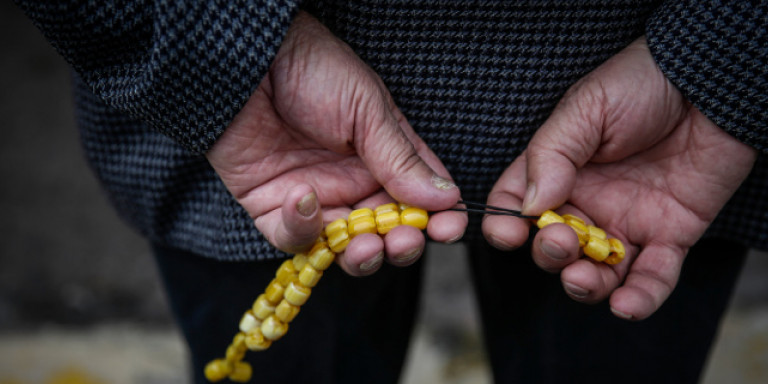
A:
357	330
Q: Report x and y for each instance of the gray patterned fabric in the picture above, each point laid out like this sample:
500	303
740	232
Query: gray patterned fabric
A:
158	81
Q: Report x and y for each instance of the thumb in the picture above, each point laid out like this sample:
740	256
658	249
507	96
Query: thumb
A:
563	144
399	160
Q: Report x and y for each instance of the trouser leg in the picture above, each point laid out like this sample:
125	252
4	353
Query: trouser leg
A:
536	334
351	330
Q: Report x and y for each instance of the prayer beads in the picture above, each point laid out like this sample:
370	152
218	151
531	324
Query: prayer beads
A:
268	319
592	240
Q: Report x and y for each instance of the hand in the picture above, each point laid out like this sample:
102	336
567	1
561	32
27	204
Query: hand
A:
625	150
321	136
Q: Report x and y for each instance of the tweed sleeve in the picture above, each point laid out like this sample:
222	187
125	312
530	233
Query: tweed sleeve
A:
716	53
185	68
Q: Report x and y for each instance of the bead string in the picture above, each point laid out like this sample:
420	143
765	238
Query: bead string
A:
268	319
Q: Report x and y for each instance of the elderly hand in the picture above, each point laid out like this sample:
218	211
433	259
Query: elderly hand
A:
625	150
321	136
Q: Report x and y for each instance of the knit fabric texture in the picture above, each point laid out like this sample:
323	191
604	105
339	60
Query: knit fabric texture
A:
160	81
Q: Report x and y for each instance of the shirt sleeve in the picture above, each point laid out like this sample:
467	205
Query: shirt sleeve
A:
716	53
185	68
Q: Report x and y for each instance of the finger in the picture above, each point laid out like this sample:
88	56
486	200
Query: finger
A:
364	255
502	232
650	281
393	158
564	143
403	245
555	247
299	222
447	227
588	281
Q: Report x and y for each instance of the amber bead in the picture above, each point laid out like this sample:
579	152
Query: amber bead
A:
596	232
273	329
547	218
309	276
299	260
249	322
617	252
286	272
234	353
262	307
241	373
320	257
362	224
255	341
578	226
218	370
297	294
597	248
286	311
384	208
414	217
337	234
274	292
385	221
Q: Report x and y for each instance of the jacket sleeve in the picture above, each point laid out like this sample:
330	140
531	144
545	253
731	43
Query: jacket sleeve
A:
183	67
716	53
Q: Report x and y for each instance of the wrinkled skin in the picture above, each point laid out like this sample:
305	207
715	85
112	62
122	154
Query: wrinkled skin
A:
321	136
624	149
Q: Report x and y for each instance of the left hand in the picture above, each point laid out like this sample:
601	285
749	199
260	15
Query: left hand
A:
624	150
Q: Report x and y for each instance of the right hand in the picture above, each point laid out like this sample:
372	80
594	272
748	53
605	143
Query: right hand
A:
321	136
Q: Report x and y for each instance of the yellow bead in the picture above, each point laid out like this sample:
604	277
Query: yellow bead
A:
578	226
338	241
297	294
298	263
617	252
309	276
241	373
386	221
335	226
218	370
286	311
239	342
255	341
285	273
414	217
249	322
273	329
262	308
320	257
362	224
568	217
358	213
234	353
384	208
274	292
597	248
547	218
596	232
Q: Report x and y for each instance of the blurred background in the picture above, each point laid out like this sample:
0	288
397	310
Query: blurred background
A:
80	299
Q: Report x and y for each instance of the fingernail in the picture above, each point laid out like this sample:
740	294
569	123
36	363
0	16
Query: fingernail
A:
553	250
307	205
409	256
576	291
442	183
372	263
530	195
455	238
499	244
620	314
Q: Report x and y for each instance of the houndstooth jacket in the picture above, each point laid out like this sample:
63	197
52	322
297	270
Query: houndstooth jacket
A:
158	81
